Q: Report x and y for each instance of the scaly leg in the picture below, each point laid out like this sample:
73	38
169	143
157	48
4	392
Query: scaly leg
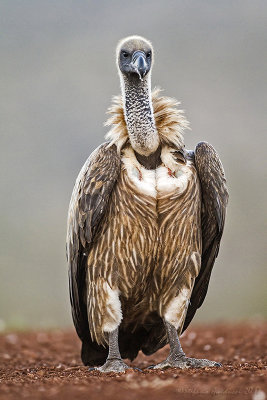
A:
177	358
114	362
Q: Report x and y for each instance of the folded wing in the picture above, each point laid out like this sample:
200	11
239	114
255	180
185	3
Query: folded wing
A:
214	201
88	204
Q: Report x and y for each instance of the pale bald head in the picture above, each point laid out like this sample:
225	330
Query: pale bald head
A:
134	56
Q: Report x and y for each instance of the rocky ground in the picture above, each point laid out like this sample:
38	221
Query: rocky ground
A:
46	365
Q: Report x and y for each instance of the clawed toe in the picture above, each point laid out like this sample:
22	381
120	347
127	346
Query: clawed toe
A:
117	367
201	363
217	364
113	365
137	369
184	363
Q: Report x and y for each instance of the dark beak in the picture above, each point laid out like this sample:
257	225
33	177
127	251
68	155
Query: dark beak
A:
139	64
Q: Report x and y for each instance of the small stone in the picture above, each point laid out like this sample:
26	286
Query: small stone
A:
207	347
129	376
42	337
220	340
192	335
259	395
11	338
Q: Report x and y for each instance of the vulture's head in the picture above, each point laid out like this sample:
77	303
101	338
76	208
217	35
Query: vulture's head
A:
134	57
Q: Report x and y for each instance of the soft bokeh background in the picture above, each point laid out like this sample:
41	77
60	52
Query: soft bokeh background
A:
57	78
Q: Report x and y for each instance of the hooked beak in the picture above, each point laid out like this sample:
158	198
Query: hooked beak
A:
139	64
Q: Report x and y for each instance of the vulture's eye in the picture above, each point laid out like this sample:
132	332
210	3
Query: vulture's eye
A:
125	54
148	55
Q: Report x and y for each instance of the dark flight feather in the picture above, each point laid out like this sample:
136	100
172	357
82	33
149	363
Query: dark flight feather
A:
214	202
87	207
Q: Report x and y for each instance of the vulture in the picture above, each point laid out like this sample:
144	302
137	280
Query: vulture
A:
145	222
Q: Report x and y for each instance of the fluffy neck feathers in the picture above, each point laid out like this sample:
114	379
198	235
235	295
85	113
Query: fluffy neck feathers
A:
170	122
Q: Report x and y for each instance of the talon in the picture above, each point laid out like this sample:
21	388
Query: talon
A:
217	364
186	362
116	365
137	369
151	367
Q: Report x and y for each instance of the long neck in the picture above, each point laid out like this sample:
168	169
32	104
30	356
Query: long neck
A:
139	115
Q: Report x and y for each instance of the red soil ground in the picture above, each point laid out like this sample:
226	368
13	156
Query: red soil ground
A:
46	365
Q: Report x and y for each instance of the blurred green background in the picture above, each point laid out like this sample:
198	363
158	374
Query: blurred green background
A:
57	78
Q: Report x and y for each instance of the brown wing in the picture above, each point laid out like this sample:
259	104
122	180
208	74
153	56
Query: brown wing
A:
214	201
87	206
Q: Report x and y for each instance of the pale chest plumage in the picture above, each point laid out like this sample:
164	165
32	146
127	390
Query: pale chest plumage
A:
167	178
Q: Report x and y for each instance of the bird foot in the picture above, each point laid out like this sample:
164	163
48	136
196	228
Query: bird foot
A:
113	365
185	362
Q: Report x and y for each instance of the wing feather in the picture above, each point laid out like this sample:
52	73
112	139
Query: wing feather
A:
88	203
214	202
